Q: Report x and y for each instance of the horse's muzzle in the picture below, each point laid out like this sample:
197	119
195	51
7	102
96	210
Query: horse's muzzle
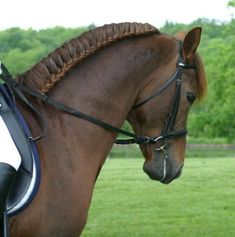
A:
162	170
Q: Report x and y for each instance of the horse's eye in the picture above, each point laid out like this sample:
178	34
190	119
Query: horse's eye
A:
190	97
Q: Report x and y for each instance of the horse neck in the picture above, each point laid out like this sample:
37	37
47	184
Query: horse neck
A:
104	86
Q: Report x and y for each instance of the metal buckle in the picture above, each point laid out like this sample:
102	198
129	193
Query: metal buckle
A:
180	64
161	147
147	140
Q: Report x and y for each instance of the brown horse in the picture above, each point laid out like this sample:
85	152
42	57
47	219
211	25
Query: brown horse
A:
133	72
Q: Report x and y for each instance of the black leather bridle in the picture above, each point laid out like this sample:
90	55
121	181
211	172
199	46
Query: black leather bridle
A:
168	131
20	90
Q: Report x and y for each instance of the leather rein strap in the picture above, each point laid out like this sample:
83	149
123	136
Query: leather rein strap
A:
20	90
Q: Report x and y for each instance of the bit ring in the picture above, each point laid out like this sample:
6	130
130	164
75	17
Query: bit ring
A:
161	147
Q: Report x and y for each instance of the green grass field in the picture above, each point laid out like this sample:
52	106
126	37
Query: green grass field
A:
201	203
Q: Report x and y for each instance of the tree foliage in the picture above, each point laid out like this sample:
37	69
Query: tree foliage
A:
213	117
231	3
20	49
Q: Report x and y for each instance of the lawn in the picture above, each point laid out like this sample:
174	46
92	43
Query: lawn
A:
126	203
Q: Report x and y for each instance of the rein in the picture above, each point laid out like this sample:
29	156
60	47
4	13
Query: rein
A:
20	90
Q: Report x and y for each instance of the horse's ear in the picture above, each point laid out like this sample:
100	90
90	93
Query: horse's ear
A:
190	43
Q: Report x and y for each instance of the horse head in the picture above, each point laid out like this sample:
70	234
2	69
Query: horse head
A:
162	108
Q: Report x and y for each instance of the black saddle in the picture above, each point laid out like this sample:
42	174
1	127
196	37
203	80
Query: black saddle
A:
28	176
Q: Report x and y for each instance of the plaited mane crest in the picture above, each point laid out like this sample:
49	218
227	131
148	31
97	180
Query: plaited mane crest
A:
46	73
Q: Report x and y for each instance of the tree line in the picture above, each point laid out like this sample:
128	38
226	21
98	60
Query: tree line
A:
209	119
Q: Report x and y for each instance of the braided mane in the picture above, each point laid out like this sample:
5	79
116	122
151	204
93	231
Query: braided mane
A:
51	69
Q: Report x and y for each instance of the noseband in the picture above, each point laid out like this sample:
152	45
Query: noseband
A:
168	133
